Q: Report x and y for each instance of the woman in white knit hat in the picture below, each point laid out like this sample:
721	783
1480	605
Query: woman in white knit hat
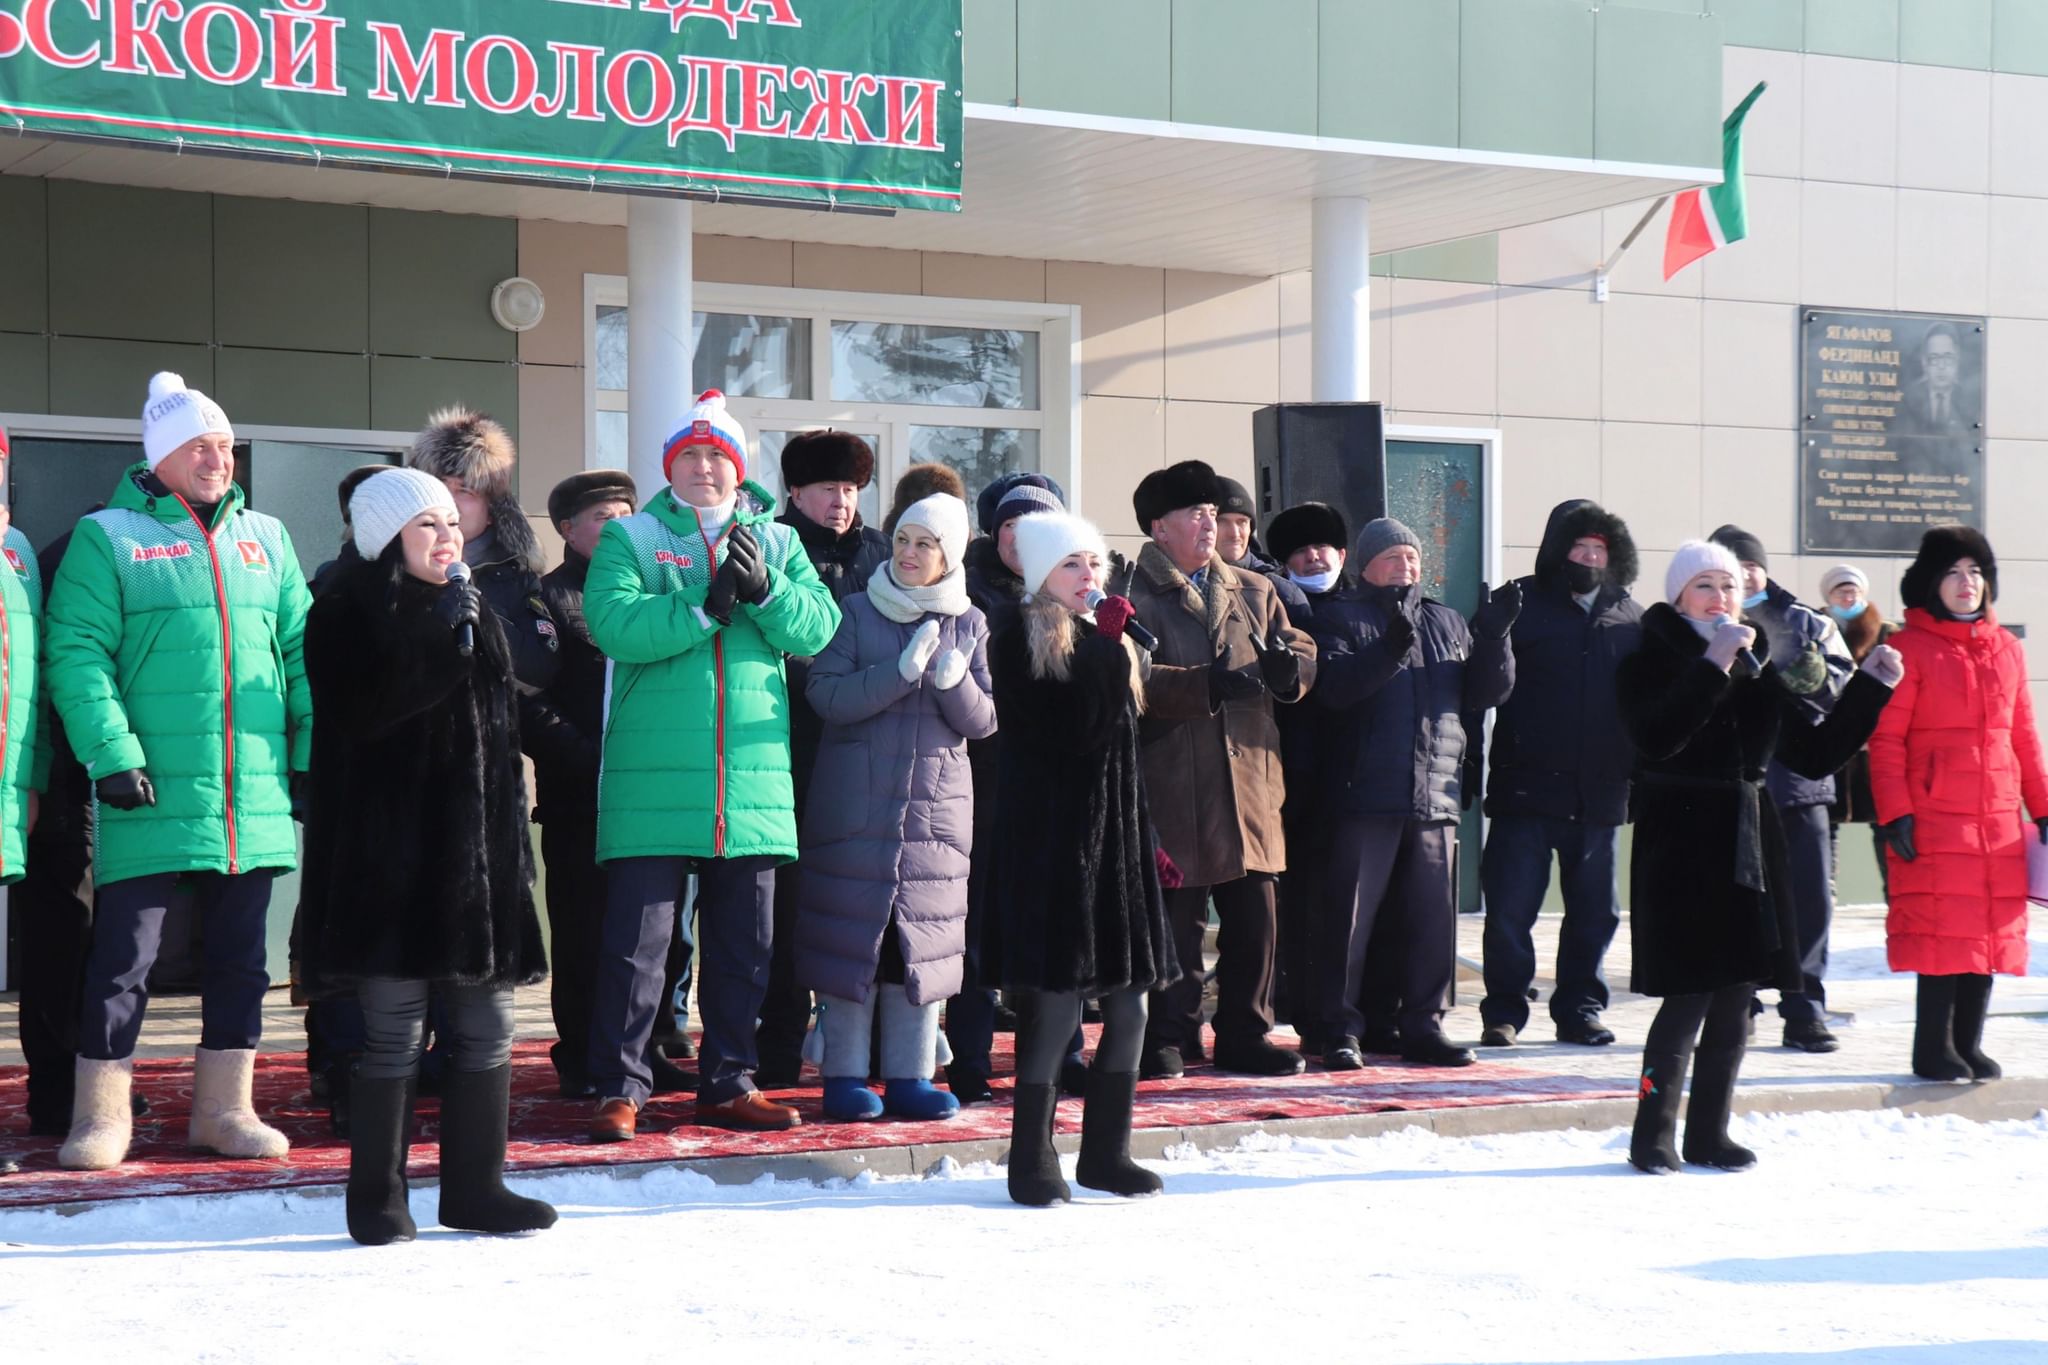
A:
888	825
1075	900
418	870
1708	916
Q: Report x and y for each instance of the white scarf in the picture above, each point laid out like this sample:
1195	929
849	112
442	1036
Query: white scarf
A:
947	597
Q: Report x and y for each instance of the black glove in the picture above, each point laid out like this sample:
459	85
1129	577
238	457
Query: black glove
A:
1281	667
1399	636
300	796
458	604
1497	612
724	592
750	573
1232	684
1899	834
130	790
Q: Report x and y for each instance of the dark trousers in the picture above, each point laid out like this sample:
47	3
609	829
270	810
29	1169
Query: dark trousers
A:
1714	1020
1244	964
128	921
786	1005
1514	872
1297	913
971	1015
1809	859
53	927
735	927
474	1026
1384	867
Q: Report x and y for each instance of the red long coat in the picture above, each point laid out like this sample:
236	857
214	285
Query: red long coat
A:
1957	751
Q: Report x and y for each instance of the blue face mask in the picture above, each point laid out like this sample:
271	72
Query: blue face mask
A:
1757	600
1846	614
1314	582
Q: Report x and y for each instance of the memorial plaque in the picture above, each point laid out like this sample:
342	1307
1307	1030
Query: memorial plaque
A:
1891	433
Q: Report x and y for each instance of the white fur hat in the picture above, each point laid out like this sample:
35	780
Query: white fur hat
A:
383	503
945	516
175	414
1696	557
1045	538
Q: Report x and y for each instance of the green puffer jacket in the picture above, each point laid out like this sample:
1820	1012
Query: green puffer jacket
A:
149	617
24	758
696	739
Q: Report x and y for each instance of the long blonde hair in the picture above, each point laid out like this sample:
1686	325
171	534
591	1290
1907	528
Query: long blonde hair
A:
1049	630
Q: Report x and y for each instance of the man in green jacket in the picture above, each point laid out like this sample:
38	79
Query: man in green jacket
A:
696	601
174	660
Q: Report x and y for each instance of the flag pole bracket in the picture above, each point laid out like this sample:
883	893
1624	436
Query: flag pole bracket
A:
1603	272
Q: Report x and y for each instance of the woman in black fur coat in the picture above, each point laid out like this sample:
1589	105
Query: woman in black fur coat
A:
1075	907
418	869
1707	911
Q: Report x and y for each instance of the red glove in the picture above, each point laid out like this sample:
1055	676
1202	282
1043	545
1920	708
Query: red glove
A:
1113	615
1169	875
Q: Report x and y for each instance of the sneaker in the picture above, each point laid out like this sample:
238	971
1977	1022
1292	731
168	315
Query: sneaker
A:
1499	1035
1584	1029
1345	1056
1810	1035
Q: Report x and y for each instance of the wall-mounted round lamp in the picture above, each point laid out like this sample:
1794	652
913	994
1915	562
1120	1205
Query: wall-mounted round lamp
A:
517	304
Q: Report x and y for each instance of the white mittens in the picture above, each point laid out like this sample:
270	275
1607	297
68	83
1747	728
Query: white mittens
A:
919	651
952	668
1886	665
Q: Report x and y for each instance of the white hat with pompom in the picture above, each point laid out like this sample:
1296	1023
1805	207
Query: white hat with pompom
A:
175	414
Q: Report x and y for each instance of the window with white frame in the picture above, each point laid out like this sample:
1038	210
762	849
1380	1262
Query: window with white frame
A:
982	386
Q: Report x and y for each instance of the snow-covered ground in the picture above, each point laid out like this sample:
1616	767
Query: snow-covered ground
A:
1860	1238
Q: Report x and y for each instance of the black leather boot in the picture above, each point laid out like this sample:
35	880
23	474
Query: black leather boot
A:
1106	1138
473	1193
1934	1048
379	1120
1035	1178
1973	1002
1706	1121
1653	1145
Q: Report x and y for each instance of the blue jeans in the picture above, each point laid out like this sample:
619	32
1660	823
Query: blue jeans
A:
1514	872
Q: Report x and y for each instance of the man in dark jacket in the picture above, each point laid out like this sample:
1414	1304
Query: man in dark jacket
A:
1237	544
1816	665
824	472
1402	671
1559	782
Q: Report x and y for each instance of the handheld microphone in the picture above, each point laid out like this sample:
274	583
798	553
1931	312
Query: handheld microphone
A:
465	634
1141	637
1745	662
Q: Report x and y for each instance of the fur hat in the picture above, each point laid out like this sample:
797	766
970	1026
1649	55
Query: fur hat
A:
1746	548
945	516
1380	536
919	482
578	491
1840	574
1190	483
1694	558
1307	523
827	457
991	499
1046	539
1940	548
708	423
386	501
478	453
1572	521
175	415
353	480
1236	501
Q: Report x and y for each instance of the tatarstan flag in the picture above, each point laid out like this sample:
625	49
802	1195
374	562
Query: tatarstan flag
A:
1702	220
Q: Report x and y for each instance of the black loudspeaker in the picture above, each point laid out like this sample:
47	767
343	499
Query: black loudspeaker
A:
1321	452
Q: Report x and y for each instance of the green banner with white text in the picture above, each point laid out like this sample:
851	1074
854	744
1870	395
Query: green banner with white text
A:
852	103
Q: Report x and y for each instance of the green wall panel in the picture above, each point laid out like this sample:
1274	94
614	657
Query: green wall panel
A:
1669	6
431	276
293	388
1387	71
1239	74
1762	23
291	274
404	391
93	377
2019	37
1657	92
128	262
1946	32
1854	28
1470	260
1526	78
990	53
25	282
24	373
1095	58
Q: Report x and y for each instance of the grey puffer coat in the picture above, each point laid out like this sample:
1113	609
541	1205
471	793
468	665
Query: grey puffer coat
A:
889	823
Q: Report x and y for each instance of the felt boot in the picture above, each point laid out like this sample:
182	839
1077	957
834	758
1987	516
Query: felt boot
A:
910	1051
1653	1145
223	1111
474	1109
1934	1047
102	1120
1973	1002
1035	1178
1105	1162
380	1115
1706	1121
839	1047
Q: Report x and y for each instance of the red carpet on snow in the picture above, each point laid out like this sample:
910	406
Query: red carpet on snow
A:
547	1131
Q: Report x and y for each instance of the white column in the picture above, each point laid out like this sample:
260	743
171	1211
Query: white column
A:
658	269
1340	306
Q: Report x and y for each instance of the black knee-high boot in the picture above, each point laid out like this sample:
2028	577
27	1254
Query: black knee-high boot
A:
1934	1048
473	1193
1653	1145
1035	1177
1106	1138
380	1115
1973	1002
1706	1121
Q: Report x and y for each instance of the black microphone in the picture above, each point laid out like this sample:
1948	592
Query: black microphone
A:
1745	662
465	634
1141	637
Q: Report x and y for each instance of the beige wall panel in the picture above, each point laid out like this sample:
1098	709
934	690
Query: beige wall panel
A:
1641	271
1124	440
1543	462
1519	561
550	543
2016	398
1123	325
863	269
2019	256
1749	365
2023	601
550	430
1747	477
2015	495
1945	128
1847	256
1297	374
1424	417
1222	337
2019	151
1220	433
743	260
1549	351
1650	359
1764	266
1563	251
1943	251
1849	113
1771	133
556	256
1444	346
1650	477
953	275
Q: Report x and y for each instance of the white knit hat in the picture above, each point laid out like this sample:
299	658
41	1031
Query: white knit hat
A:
384	503
1840	574
1694	558
175	414
945	516
1045	538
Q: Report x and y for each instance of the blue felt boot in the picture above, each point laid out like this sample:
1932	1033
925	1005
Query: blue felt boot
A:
845	1029
917	1099
910	1035
848	1099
